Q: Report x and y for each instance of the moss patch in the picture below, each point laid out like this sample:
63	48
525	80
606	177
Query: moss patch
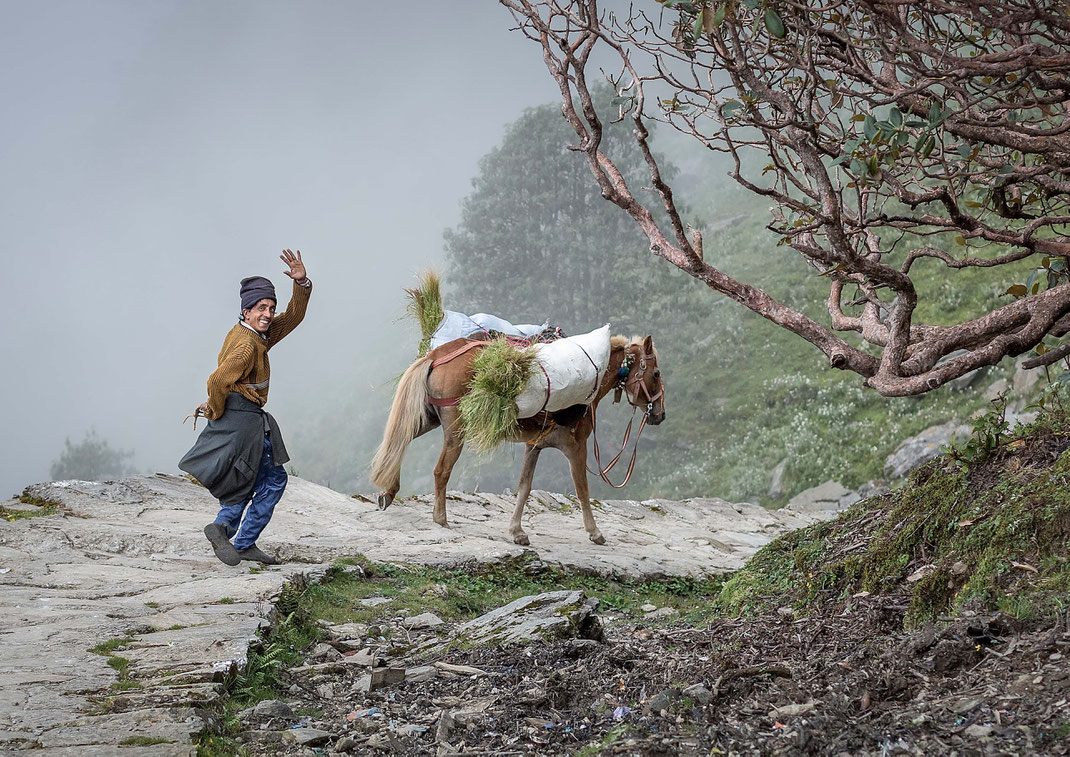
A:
125	684
109	646
44	507
142	741
281	645
459	594
992	531
120	665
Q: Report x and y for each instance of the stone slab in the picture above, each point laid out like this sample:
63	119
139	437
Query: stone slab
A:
127	560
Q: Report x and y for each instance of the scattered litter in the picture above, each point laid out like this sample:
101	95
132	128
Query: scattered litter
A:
362	714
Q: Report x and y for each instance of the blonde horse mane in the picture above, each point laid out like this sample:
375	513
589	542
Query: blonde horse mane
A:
622	342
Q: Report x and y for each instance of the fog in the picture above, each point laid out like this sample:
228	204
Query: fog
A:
153	154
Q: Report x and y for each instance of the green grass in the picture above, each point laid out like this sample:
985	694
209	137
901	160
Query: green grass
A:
125	684
109	646
225	601
45	507
488	408
745	394
219	745
452	594
991	530
462	594
142	741
425	305
32	499
280	646
611	739
119	664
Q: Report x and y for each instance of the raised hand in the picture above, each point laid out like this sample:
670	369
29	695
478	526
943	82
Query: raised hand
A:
297	266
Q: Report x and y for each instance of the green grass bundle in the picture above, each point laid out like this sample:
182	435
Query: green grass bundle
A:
488	410
425	305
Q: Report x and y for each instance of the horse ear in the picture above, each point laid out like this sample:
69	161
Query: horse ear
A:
648	345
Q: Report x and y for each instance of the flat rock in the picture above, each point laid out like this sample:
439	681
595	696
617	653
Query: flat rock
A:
128	560
348	630
823	498
424	620
461	670
421	673
1024	379
365	657
311	737
345	744
272	708
662	613
921	448
792	710
553	614
699	694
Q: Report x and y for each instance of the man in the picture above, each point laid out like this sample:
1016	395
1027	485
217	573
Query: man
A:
239	457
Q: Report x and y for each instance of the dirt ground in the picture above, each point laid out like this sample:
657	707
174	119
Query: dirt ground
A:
848	683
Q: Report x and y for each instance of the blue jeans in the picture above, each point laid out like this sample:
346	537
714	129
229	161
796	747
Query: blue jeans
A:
267	491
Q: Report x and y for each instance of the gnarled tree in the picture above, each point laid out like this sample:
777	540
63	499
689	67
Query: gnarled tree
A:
892	132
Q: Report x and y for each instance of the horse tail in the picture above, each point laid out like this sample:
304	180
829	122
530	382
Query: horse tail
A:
402	426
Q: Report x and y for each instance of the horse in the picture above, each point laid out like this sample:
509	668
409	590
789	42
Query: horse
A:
428	394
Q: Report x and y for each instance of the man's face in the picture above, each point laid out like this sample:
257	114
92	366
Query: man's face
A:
260	315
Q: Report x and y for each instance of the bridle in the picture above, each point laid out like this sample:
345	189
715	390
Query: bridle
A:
630	383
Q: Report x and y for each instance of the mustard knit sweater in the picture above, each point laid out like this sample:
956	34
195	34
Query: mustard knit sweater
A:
243	361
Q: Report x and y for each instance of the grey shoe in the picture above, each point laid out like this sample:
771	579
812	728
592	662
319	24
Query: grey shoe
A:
255	554
224	550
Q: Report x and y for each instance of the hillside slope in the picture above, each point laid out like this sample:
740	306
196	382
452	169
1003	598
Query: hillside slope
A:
984	526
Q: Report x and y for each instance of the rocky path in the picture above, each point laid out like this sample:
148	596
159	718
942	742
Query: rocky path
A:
120	586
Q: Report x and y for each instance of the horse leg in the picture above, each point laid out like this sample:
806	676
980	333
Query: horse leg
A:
429	422
523	489
576	452
452	444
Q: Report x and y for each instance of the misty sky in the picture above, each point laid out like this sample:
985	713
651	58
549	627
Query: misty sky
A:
154	153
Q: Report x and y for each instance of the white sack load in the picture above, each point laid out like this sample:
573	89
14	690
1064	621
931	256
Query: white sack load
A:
575	367
456	325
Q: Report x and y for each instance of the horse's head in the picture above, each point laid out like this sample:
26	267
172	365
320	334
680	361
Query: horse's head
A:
643	383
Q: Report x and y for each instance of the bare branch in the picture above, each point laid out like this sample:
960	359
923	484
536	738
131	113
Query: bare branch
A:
893	131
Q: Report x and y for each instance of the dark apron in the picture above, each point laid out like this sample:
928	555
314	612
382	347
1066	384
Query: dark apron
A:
226	456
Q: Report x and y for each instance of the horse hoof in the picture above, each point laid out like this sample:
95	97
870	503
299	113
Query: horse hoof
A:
598	538
442	523
385	500
521	539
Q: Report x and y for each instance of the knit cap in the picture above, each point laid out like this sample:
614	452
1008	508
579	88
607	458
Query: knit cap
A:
254	289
